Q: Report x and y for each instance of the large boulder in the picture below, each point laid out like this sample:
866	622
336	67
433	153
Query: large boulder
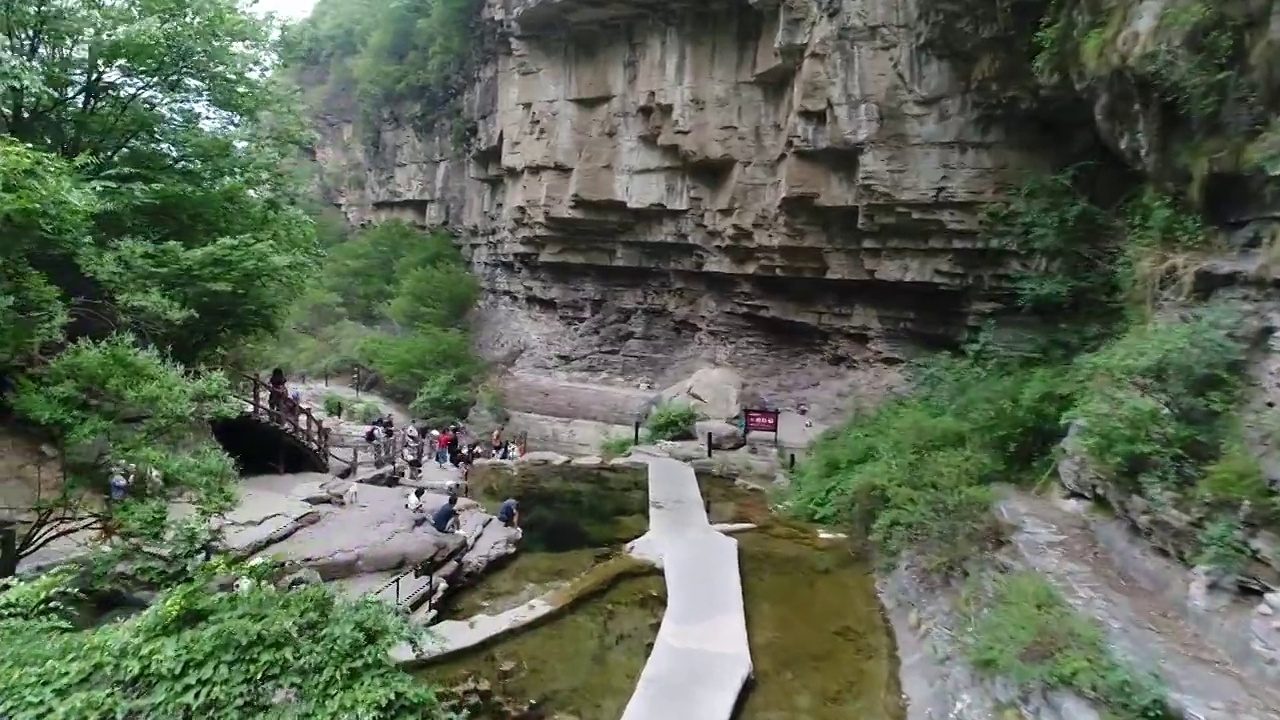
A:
377	533
724	435
715	393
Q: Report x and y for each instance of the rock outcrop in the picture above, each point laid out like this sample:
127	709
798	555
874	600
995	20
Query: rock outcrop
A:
758	183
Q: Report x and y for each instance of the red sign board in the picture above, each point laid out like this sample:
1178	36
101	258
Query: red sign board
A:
760	420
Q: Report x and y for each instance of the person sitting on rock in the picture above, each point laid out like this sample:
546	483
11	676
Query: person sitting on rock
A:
509	513
413	500
445	519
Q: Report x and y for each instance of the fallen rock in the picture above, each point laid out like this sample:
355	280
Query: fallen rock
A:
715	393
587	461
1075	474
724	435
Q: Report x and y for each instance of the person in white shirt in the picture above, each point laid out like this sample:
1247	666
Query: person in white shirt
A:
413	500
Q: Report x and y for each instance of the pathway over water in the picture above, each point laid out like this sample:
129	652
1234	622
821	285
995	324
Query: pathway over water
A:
700	659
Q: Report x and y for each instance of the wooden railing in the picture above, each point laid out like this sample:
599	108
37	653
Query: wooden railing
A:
294	418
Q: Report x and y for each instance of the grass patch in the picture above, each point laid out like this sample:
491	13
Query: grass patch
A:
616	446
1021	628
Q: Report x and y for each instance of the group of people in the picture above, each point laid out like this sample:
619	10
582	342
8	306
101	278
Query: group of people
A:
452	445
445	518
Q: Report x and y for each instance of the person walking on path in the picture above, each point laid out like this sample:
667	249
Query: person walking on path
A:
276	393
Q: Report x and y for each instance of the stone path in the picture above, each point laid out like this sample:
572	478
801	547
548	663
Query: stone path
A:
701	659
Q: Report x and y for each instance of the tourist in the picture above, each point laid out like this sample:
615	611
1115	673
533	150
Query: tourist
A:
509	513
413	500
443	444
446	518
455	442
412	452
119	485
497	444
276	391
375	436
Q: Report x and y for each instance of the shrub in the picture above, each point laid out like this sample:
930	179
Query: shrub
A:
671	421
1156	410
333	404
914	474
365	412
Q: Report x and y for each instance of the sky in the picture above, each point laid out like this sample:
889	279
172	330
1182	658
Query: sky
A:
295	9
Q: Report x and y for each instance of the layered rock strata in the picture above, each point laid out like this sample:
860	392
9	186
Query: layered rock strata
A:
760	184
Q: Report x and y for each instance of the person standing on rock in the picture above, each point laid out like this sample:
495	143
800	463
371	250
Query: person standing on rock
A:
496	442
412	451
446	518
375	435
443	443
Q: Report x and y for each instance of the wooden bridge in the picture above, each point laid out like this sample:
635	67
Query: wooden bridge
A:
297	424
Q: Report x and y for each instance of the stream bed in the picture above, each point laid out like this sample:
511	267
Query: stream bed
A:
821	647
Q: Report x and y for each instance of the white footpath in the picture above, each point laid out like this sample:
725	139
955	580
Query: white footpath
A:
700	659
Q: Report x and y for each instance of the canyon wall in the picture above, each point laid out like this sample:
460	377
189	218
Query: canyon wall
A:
780	187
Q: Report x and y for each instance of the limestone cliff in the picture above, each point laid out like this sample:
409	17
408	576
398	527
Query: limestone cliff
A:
748	182
763	183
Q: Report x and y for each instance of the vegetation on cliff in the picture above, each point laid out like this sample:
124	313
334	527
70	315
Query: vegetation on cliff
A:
1145	380
386	55
394	300
153	219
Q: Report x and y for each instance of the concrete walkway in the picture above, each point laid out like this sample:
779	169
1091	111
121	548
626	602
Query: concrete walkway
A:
700	659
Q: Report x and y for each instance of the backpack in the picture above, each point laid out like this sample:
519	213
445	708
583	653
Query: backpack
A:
369	435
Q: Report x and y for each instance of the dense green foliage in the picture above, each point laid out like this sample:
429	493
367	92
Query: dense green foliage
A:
111	403
671	421
389	52
256	653
1153	396
154	219
1152	385
139	192
395	300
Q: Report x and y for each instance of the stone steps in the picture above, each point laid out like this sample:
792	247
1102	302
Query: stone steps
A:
407	591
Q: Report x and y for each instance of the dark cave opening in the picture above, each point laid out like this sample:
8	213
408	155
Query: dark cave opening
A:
260	448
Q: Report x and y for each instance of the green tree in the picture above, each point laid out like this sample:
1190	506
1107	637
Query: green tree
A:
257	653
110	403
183	156
45	213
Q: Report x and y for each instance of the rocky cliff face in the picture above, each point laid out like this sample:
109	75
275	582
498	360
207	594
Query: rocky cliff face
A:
747	182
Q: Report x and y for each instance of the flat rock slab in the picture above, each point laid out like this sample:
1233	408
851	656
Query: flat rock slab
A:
264	517
701	659
375	534
453	636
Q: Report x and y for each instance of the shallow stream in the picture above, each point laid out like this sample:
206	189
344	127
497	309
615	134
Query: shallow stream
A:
820	645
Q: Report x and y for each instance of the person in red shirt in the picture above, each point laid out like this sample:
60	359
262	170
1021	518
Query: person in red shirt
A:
442	448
